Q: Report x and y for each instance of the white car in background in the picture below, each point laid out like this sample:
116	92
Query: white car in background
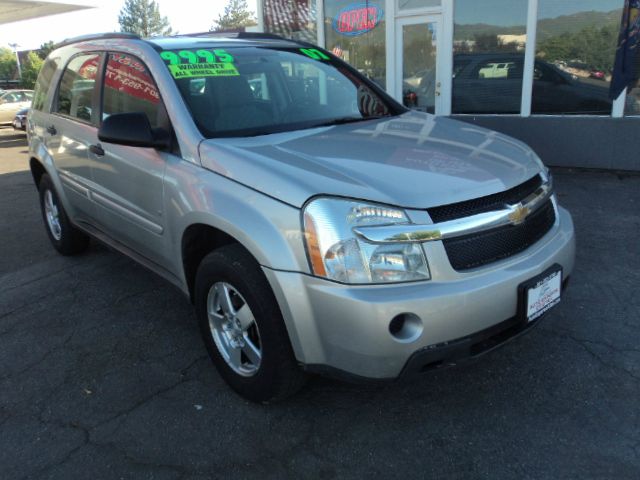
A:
12	101
496	70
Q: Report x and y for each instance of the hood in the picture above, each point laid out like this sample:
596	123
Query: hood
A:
414	160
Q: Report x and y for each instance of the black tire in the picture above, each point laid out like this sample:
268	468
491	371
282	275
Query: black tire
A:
278	375
71	241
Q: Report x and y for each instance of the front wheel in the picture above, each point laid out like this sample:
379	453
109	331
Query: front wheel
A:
242	327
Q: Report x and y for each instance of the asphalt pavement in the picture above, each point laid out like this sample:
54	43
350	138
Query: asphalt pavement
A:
103	373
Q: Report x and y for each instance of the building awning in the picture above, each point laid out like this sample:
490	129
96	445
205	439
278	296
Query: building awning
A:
16	10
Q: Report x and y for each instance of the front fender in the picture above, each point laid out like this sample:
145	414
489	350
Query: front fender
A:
269	229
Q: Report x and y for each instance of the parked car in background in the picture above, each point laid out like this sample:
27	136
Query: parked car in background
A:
11	102
597	74
496	70
554	91
20	120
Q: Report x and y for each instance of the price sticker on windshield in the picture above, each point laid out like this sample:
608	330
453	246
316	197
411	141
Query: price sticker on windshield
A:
191	70
197	56
200	63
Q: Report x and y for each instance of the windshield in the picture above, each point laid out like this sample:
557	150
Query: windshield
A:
248	91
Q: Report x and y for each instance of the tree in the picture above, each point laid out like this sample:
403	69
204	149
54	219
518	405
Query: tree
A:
45	49
30	70
8	65
487	43
593	45
143	18
236	16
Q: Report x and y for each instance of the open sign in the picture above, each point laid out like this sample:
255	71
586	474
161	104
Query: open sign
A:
357	18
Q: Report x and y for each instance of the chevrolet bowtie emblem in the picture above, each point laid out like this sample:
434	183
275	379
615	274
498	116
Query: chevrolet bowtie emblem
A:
519	214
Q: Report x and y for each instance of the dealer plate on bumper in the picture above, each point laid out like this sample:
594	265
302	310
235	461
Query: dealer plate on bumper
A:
541	293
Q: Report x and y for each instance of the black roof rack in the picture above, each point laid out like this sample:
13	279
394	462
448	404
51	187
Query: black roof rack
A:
97	36
234	34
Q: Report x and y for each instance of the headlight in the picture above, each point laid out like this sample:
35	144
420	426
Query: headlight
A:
336	253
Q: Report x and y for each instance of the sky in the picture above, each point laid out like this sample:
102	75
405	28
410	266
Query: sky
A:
514	12
198	15
184	15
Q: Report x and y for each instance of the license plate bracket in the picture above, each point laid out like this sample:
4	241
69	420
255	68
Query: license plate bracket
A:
540	294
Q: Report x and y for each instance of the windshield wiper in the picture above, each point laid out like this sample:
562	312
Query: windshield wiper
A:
345	120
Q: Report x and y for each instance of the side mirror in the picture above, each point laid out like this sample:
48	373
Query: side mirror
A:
133	130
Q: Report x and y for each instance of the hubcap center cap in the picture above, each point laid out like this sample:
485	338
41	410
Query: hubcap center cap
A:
233	331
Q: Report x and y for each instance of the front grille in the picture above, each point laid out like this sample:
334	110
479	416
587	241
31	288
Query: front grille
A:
485	204
481	248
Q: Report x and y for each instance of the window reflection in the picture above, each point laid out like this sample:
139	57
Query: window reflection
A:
414	4
419	50
291	19
355	32
489	44
632	106
575	53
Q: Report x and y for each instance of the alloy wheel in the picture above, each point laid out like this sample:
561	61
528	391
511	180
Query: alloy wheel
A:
53	215
234	329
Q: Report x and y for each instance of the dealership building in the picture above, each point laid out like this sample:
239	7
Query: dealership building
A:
538	70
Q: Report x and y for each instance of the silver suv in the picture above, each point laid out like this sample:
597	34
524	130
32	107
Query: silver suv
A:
316	224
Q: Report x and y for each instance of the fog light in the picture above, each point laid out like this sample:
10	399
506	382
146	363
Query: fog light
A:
406	327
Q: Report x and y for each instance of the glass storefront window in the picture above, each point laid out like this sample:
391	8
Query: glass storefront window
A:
489	45
355	32
632	106
575	52
419	52
291	19
415	4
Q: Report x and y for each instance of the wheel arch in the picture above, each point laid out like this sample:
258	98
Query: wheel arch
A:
201	238
37	170
198	240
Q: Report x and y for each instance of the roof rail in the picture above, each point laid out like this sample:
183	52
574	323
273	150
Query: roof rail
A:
97	36
240	35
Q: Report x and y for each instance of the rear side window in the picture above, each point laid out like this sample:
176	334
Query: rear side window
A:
12	97
75	93
129	87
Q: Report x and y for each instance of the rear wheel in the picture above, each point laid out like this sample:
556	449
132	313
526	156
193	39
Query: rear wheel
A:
65	238
242	327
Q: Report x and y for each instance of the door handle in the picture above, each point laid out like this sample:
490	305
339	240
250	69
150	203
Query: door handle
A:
97	150
51	130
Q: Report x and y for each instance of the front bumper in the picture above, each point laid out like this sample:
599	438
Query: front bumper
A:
345	328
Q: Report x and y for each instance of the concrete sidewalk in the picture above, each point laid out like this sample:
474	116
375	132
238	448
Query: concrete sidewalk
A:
103	374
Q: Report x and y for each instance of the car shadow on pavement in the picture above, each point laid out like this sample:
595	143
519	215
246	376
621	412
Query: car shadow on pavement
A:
13	140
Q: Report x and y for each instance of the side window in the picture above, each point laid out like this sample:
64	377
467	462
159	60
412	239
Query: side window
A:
11	98
42	84
128	87
543	73
459	66
493	70
75	93
259	85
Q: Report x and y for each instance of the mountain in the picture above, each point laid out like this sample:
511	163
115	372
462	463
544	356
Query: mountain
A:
550	27
547	27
